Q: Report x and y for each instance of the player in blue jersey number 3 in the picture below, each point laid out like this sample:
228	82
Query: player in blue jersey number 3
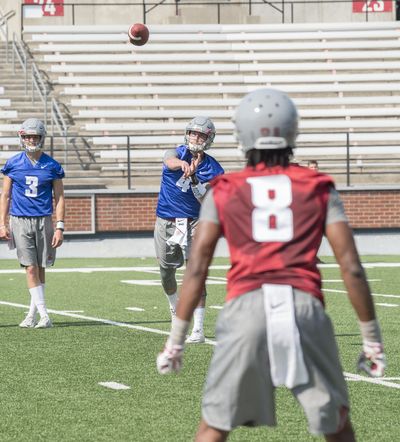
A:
31	178
185	176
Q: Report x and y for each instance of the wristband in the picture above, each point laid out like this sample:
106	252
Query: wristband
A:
179	329
370	331
60	225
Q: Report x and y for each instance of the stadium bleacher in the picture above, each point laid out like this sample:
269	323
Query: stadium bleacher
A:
344	77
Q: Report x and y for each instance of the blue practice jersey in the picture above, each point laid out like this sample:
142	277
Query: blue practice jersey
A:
32	185
176	199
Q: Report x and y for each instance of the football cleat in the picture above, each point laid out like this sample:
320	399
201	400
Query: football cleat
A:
372	360
28	322
197	337
44	322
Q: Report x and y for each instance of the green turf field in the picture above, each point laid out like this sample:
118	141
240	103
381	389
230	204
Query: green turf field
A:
50	378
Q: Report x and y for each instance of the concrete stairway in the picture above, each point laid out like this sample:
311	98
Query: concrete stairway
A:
18	89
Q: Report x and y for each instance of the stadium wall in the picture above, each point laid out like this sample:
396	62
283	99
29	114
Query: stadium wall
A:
109	12
103	223
105	212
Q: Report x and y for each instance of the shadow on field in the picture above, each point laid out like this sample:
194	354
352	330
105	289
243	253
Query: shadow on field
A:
90	324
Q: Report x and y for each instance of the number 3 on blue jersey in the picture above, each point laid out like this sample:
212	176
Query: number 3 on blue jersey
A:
272	218
32	183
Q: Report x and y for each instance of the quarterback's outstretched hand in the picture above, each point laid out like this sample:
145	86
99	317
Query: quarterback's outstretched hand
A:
372	360
170	359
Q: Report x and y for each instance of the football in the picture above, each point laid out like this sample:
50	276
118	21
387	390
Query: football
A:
138	34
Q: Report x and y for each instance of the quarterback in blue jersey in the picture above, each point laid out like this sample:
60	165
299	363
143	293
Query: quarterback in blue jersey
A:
31	178
186	173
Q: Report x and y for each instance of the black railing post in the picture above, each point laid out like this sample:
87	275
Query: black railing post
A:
73	13
219	12
52	146
347	159
128	156
144	11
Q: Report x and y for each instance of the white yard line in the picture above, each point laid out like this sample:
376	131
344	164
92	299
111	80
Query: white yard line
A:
373	294
341	280
350	376
102	320
378	381
155	269
114	385
73	311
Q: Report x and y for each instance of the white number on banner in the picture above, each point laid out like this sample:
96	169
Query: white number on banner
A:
374	6
49	7
39	2
32	182
272	219
183	183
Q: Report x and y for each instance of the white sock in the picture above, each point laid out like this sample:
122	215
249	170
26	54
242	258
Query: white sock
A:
37	294
32	306
198	318
172	299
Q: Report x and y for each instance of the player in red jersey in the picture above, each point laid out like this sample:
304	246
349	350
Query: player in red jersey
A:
273	329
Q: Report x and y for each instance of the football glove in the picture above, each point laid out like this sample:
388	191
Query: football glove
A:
170	359
372	360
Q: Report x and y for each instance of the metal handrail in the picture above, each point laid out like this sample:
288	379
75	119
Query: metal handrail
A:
4	27
87	149
41	88
19	52
348	165
39	85
58	121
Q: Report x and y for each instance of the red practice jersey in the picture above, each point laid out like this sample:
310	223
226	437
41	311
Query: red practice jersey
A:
273	220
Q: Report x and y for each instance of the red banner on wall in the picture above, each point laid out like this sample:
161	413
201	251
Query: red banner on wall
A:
43	8
372	6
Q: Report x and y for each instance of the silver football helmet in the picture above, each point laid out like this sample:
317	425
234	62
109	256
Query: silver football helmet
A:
266	119
32	126
203	125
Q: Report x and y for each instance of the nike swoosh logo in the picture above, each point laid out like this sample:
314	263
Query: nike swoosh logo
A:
278	304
